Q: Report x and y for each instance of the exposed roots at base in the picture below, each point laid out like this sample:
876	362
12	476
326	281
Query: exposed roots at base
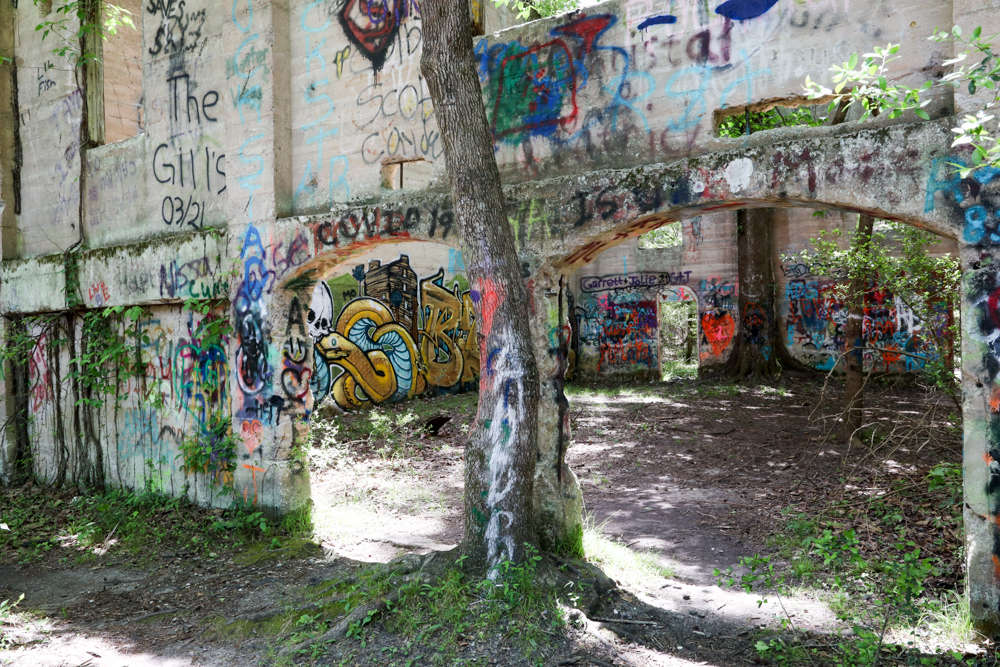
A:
578	586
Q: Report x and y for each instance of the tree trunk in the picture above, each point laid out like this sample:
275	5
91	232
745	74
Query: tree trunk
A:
754	357
853	343
692	335
500	454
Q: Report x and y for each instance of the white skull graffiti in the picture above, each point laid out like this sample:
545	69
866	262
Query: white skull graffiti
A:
320	318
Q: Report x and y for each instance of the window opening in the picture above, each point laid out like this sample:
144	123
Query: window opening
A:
740	121
667	236
407	175
122	74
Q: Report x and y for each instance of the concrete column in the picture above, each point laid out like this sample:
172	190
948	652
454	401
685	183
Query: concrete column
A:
270	354
10	167
558	502
981	416
258	128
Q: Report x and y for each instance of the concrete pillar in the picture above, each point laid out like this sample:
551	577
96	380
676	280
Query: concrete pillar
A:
270	353
558	502
981	416
9	149
258	127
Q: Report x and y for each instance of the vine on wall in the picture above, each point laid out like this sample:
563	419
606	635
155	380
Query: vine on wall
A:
105	369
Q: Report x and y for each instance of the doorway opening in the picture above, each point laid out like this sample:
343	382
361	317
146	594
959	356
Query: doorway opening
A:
678	324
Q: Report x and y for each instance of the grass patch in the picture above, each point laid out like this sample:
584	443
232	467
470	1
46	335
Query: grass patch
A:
638	569
456	606
278	549
430	615
678	370
387	430
87	528
946	623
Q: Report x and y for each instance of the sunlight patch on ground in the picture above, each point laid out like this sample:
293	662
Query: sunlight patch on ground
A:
637	569
36	641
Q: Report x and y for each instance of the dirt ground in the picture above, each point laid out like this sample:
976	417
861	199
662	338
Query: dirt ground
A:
690	475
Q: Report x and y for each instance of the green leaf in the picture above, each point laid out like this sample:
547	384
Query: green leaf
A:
977	32
853	62
957	31
972	87
921	114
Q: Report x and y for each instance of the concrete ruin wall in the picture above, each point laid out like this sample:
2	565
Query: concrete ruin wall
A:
616	297
811	318
265	158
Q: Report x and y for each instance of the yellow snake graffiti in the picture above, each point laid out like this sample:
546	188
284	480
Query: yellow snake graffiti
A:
378	356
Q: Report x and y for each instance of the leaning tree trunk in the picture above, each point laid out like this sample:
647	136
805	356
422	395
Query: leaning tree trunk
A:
500	454
754	357
853	343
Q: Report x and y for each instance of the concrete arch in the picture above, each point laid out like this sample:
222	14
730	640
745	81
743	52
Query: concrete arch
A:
332	238
897	172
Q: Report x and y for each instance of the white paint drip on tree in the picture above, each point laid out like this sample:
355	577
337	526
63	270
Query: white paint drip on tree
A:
509	413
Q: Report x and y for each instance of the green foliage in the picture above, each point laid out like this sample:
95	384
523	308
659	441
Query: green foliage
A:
544	8
571	545
76	22
91	528
667	236
862	82
214	327
211	447
109	353
678	323
748	122
6	610
893	585
947	475
455	606
897	259
392	432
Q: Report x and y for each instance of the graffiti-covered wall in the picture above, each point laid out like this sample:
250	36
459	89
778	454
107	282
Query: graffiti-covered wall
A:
396	324
812	317
134	437
616	312
618	296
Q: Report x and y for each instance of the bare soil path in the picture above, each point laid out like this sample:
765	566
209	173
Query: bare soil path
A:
689	475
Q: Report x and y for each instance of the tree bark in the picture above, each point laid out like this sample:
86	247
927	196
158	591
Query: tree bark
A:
500	453
853	358
754	357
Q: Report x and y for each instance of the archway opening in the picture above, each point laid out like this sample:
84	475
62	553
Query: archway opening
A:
396	369
671	468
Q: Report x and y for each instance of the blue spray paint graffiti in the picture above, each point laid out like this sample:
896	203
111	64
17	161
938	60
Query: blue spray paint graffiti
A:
666	19
742	10
976	198
533	89
315	130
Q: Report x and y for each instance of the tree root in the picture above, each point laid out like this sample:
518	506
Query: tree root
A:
340	630
585	583
408	565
